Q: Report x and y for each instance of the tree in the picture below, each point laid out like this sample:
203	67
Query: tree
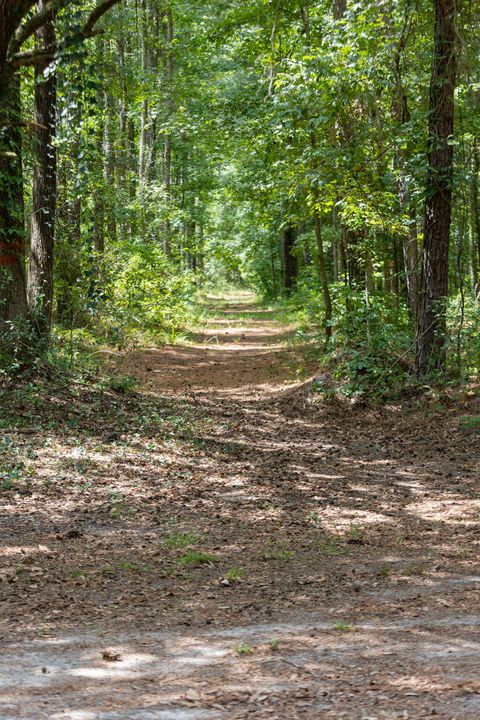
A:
40	266
431	323
17	25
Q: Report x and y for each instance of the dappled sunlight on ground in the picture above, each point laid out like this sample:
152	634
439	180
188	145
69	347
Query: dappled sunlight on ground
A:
247	550
313	664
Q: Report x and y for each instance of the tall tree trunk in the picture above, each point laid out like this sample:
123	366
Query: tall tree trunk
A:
351	247
13	296
169	107
123	156
69	212
142	147
431	324
100	211
402	116
475	217
110	164
44	191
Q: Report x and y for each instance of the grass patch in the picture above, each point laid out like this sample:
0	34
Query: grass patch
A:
181	540
195	559
234	574
330	547
77	573
470	422
243	649
278	552
344	627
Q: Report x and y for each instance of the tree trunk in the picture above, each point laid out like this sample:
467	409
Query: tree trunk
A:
402	115
475	217
339	9
142	147
431	324
110	164
167	150
40	270
97	167
289	261
322	271
13	296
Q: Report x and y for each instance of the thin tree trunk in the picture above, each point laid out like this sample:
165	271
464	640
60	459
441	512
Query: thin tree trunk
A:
431	324
351	250
142	149
322	271
110	162
475	217
402	115
99	189
289	261
169	107
44	192
273	39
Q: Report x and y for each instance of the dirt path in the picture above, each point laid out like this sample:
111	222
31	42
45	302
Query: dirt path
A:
244	549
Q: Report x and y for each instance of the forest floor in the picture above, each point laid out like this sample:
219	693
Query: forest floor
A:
221	543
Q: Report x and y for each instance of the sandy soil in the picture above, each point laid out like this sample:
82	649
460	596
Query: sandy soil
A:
244	549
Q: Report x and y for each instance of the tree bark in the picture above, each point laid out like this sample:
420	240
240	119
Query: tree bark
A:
402	116
169	106
289	261
322	271
109	167
142	147
339	9
40	270
13	296
431	323
475	218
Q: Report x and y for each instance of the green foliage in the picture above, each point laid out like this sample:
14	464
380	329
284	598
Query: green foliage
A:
173	177
149	294
279	552
121	383
12	466
195	559
344	627
235	574
20	346
330	547
371	350
471	422
243	649
181	540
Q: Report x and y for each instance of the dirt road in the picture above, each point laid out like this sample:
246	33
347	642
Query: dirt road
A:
223	545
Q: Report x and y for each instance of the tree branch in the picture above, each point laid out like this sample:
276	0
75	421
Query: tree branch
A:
32	57
35	22
95	16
